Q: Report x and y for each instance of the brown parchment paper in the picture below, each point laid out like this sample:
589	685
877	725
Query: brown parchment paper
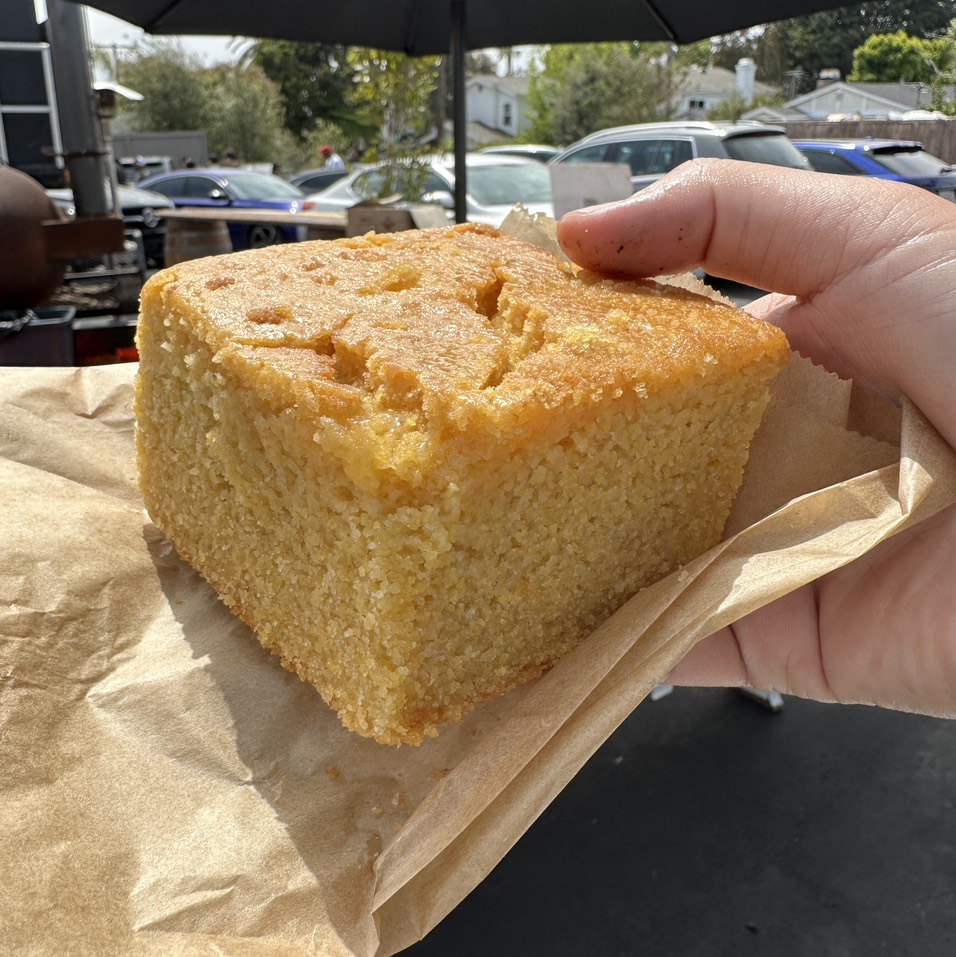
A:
166	788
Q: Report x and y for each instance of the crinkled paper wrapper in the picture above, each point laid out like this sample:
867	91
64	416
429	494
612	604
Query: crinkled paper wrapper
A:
167	788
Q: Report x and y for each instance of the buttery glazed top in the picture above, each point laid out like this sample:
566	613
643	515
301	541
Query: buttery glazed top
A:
460	335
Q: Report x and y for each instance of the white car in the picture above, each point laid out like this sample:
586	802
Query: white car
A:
496	184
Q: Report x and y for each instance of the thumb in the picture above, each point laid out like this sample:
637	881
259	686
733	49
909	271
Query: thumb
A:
768	227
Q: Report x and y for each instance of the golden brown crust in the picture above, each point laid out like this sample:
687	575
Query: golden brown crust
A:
453	333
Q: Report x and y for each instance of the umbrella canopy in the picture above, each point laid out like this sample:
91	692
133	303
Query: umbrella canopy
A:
422	27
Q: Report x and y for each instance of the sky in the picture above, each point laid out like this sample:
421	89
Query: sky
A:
107	31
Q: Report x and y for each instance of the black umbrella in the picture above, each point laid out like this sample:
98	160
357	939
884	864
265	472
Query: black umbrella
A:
420	27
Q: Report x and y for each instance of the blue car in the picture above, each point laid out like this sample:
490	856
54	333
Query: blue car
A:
235	189
903	160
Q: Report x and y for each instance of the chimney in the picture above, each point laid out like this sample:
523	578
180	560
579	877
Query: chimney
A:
746	71
827	76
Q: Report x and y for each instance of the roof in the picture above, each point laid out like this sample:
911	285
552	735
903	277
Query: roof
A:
513	85
717	81
870	99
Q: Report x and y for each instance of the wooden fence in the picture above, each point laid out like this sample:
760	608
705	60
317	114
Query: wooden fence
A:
937	136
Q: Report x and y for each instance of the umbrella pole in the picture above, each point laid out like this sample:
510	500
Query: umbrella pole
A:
457	53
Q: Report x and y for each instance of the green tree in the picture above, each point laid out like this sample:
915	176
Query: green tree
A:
766	46
239	108
171	82
247	118
734	107
900	58
580	88
827	39
316	83
395	94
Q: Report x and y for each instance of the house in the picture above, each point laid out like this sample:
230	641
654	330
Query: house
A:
704	88
841	99
496	107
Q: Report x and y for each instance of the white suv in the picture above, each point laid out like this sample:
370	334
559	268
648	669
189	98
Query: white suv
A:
653	149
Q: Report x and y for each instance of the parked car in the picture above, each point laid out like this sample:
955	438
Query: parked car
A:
653	149
138	207
535	151
903	160
495	185
218	188
315	180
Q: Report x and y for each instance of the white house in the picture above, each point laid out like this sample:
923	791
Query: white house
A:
496	107
843	100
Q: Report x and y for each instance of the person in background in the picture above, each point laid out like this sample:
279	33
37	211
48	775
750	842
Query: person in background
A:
332	159
862	274
229	158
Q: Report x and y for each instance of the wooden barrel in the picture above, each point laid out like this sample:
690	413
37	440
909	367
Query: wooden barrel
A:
193	239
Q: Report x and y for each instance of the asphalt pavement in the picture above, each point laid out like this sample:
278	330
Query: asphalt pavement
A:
709	827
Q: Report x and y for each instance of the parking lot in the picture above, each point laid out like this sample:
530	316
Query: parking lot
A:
709	827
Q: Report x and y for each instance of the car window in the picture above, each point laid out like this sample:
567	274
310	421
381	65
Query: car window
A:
167	187
433	183
197	187
319	181
587	154
823	161
651	156
413	181
773	148
368	185
261	186
909	161
507	185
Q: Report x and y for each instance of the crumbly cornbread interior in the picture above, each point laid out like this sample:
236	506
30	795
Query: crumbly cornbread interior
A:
423	465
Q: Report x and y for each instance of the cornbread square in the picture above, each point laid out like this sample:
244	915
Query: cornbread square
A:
423	465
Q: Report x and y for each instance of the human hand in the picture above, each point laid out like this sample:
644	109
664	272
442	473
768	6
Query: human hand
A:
863	274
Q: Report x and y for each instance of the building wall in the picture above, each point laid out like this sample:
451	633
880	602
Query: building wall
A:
494	107
175	145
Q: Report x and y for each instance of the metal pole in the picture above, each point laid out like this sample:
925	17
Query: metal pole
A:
458	36
83	143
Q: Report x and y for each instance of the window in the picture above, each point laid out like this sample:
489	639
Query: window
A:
507	114
826	162
652	156
772	148
369	185
198	187
29	132
696	104
589	154
909	161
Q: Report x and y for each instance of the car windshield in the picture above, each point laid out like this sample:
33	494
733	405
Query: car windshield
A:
506	185
261	186
772	148
909	161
